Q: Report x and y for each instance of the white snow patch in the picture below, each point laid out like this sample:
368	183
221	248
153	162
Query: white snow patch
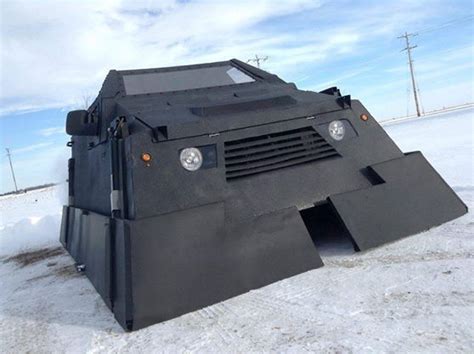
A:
414	295
29	220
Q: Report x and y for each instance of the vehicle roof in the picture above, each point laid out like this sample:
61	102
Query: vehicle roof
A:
214	109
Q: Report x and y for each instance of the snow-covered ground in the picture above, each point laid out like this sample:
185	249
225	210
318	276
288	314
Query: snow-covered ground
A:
30	220
414	295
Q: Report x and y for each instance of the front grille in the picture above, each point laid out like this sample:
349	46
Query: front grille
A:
258	154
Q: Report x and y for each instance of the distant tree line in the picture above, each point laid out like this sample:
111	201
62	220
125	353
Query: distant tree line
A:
26	190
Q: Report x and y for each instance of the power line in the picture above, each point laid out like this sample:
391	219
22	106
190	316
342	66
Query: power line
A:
408	48
368	65
11	168
257	60
451	22
446	24
448	50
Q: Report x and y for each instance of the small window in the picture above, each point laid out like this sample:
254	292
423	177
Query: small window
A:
190	79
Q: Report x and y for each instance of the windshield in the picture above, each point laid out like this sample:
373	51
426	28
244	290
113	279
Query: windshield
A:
184	80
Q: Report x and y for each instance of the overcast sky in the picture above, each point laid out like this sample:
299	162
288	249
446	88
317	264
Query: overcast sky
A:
53	53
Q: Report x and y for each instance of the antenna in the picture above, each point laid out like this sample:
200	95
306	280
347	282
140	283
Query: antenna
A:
257	60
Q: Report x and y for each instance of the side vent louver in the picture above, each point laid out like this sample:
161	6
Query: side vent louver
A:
273	151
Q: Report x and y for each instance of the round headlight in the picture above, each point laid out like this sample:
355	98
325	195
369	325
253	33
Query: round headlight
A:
191	159
337	129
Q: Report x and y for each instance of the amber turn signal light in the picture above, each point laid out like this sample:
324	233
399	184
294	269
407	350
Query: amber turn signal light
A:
146	157
364	117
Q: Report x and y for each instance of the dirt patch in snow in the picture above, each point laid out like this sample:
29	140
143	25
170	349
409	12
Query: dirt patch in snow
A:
66	271
31	257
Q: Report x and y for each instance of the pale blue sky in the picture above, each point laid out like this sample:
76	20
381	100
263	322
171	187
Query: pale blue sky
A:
55	52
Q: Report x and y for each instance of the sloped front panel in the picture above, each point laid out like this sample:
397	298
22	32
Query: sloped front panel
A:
412	199
184	261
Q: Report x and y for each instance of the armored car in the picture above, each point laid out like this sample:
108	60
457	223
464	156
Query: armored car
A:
189	185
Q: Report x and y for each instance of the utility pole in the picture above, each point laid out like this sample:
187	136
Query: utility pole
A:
257	60
408	48
11	167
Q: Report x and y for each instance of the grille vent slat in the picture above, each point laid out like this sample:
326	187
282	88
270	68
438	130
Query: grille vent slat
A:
281	156
270	146
273	151
238	174
268	139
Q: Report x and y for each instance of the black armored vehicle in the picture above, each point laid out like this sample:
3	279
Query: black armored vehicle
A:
193	184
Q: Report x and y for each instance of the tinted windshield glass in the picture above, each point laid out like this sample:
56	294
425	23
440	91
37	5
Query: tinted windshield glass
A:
184	80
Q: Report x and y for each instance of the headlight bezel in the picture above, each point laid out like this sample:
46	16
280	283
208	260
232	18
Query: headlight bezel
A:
191	159
337	130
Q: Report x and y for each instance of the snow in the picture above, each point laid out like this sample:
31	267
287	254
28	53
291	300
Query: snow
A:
30	220
414	295
446	140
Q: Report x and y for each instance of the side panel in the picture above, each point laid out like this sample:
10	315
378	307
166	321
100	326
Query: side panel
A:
87	238
64	226
91	179
74	234
96	253
412	199
121	287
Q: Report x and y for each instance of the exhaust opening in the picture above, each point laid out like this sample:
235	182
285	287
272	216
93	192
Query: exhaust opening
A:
327	230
